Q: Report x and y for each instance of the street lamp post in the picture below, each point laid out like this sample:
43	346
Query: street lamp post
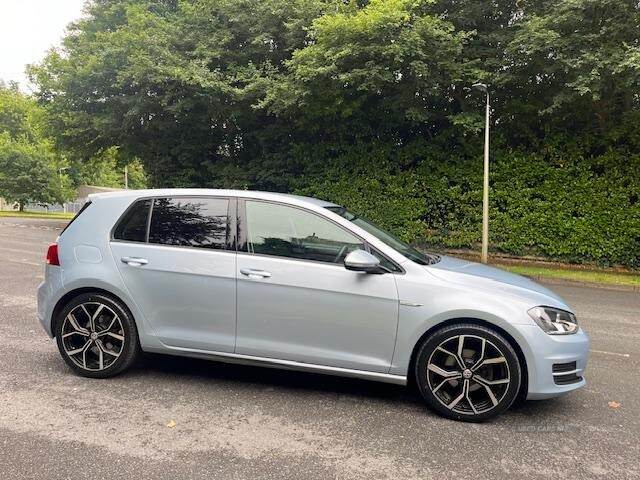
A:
485	192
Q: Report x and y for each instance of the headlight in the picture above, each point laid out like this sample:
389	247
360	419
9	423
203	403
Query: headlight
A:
554	321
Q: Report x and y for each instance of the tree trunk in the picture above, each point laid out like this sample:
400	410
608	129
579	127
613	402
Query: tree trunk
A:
21	206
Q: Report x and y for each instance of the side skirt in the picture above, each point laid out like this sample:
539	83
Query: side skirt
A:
278	363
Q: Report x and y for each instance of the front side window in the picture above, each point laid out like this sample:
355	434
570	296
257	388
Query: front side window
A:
133	225
285	231
190	222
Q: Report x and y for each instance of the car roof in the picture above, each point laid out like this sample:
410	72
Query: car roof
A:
164	192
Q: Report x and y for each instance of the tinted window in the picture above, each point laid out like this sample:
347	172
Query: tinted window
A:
133	226
190	222
290	232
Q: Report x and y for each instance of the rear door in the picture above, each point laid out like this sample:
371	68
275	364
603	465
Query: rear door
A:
177	258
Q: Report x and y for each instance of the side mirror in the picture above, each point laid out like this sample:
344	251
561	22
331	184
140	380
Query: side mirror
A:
362	261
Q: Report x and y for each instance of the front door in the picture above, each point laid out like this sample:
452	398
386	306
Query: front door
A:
178	262
296	301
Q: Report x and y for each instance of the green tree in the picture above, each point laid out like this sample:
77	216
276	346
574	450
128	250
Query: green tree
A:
575	64
20	115
29	165
206	92
106	170
27	174
388	68
173	83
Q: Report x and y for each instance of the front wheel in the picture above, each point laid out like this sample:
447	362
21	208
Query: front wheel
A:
468	372
97	336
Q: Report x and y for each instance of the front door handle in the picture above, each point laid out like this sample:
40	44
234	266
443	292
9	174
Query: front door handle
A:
254	273
134	261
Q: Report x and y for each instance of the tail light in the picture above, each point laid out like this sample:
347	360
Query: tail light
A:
52	255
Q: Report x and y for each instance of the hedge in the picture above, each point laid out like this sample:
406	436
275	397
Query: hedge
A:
554	203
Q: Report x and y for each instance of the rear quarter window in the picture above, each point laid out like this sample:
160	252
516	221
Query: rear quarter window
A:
75	217
132	227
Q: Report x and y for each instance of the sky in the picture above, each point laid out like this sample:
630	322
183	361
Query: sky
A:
28	28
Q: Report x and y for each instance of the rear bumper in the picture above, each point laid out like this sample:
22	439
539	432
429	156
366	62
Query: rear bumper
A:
560	351
49	292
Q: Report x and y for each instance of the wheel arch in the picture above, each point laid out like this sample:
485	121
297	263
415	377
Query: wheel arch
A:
524	384
70	295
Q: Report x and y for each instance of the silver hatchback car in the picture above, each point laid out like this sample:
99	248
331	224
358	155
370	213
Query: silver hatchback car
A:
298	283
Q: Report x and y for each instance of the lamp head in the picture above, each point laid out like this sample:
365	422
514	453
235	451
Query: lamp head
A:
480	86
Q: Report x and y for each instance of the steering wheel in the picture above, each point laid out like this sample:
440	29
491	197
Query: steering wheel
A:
340	253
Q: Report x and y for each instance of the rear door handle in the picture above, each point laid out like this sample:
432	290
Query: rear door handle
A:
254	273
134	261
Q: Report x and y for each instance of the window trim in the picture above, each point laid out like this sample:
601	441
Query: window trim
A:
152	202
230	244
242	246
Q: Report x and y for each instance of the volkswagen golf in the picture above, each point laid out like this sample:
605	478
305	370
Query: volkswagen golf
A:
299	283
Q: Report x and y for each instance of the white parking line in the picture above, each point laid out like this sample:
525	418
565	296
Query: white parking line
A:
30	252
625	355
22	261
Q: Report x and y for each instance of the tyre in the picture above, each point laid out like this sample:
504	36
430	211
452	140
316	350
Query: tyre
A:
97	336
468	372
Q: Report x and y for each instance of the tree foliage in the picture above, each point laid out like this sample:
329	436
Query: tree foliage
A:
282	94
577	63
28	163
106	169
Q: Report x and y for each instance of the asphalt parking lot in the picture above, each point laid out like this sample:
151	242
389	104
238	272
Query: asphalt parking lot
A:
181	418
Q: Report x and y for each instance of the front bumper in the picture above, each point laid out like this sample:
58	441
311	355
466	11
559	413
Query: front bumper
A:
550	361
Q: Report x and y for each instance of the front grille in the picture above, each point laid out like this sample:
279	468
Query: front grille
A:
564	367
562	378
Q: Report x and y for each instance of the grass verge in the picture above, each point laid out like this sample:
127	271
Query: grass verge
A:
578	275
52	215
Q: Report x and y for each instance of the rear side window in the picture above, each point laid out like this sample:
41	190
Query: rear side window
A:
133	225
190	222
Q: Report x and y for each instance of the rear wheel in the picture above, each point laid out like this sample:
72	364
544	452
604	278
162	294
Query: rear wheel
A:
468	372
97	336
